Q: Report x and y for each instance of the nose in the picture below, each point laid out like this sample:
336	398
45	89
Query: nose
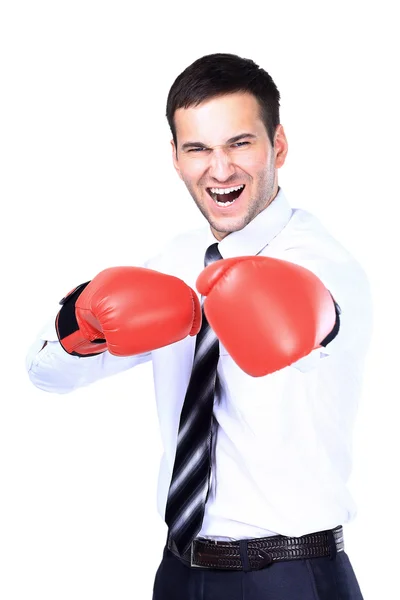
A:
221	167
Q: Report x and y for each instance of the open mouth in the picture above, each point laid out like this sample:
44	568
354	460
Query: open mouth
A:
227	196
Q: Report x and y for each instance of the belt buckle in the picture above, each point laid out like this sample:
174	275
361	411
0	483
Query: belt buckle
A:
192	563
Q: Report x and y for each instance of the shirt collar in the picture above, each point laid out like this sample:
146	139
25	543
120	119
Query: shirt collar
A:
257	234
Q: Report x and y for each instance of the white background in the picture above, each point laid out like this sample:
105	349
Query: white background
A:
87	182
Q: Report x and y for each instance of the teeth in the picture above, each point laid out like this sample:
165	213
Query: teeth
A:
224	203
226	190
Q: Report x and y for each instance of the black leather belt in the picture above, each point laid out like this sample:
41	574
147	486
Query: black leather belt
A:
258	553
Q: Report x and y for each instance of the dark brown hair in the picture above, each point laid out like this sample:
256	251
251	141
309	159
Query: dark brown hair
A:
219	74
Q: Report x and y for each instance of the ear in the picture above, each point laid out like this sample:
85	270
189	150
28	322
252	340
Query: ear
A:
280	147
174	159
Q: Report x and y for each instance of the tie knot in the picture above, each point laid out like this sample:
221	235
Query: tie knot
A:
212	254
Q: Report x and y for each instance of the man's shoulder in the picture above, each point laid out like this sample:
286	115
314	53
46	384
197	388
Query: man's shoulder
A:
185	241
306	241
306	232
180	248
189	237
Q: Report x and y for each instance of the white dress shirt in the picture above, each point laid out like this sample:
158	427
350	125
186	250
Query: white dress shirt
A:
282	445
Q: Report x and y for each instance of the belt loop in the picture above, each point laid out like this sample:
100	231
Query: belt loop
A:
244	555
332	545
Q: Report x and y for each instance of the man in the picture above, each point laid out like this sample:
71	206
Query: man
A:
257	391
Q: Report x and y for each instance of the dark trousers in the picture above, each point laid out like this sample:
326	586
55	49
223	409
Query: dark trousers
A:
308	579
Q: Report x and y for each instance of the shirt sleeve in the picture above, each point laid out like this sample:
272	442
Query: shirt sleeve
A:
52	369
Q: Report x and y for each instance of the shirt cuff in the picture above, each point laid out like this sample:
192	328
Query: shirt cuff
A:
49	332
312	360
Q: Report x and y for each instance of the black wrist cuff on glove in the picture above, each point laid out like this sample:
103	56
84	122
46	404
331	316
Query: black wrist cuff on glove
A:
67	325
331	336
67	322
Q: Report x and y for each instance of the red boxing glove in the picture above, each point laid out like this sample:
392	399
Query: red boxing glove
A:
267	312
127	311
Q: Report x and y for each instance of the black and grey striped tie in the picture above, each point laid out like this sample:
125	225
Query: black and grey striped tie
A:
189	487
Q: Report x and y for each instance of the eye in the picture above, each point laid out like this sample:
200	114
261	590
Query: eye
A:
199	149
239	144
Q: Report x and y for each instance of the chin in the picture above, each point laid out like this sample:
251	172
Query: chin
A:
225	228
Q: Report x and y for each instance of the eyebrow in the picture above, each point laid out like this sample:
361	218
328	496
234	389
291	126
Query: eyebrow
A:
231	140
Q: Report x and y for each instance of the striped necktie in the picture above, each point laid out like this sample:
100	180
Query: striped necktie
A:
189	486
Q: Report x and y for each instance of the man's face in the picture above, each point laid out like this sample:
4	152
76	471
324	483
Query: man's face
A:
223	144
